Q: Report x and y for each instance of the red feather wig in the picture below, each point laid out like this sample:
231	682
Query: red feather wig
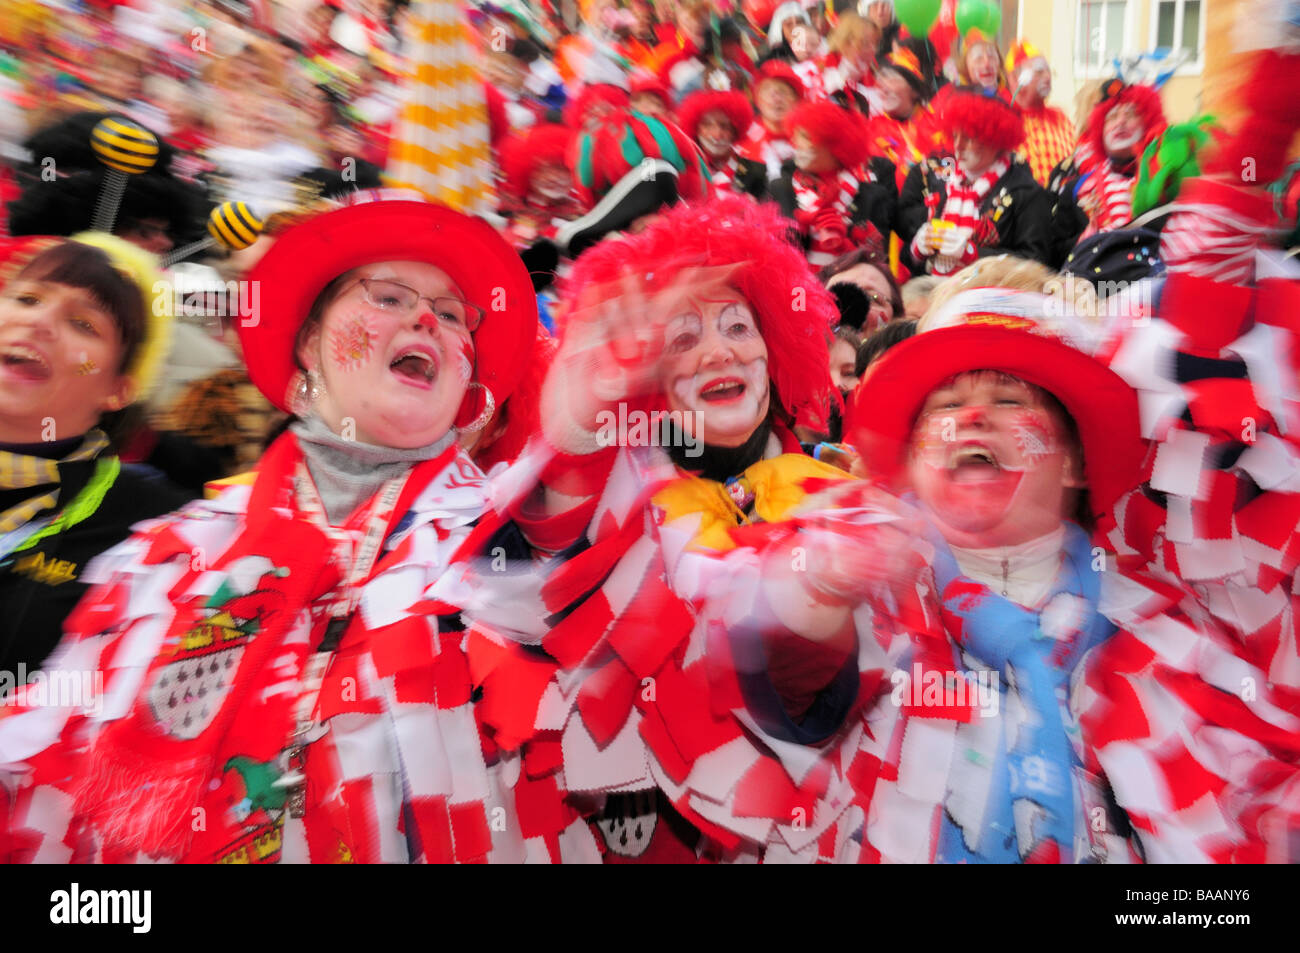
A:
747	241
735	106
1145	99
522	155
843	132
988	119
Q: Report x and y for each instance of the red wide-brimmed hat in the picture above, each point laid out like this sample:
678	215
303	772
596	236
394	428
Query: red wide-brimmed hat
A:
313	252
1029	336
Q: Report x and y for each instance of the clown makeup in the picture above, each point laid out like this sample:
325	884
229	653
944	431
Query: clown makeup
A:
982	65
991	460
465	365
551	182
714	369
715	134
1122	131
353	341
398	373
811	156
974	157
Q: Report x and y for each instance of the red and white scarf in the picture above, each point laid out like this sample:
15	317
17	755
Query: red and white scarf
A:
822	210
963	210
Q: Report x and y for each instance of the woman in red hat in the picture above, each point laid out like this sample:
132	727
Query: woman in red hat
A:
82	336
281	690
839	197
1013	442
689	354
980	201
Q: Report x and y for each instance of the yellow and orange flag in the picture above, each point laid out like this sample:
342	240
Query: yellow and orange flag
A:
441	146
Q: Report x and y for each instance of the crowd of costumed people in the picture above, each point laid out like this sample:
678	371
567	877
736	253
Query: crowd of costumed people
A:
663	432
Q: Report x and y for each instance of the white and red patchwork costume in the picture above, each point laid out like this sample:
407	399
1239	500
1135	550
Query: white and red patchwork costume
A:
202	625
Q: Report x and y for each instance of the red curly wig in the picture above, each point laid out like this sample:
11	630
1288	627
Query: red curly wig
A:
735	106
989	119
521	155
795	314
841	131
1145	99
592	96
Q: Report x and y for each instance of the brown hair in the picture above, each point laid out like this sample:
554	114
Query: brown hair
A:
81	266
328	295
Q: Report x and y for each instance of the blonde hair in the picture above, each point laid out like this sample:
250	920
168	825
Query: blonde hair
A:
851	27
1002	271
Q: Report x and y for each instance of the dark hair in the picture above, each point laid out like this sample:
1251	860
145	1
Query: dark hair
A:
90	269
881	340
866	255
66	205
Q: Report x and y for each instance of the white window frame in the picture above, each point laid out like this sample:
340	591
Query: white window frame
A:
1086	69
1191	67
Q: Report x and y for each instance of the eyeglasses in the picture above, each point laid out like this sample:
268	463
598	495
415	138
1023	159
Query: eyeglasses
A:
398	299
876	298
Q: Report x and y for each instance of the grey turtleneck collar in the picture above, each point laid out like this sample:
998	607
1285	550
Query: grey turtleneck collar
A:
348	472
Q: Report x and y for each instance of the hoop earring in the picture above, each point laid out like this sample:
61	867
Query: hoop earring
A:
307	389
489	408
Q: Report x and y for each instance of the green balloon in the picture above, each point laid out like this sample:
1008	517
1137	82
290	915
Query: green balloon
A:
917	15
982	15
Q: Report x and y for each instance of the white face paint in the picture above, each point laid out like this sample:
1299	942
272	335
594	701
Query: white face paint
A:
715	147
552	193
727	415
715	367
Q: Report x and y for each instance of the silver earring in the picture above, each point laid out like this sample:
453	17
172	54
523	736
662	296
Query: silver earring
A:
489	408
307	389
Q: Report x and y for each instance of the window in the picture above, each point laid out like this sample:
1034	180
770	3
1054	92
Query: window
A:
1101	34
1179	25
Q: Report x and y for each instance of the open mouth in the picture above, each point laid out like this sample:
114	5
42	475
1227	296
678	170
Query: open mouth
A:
25	362
416	367
723	391
973	463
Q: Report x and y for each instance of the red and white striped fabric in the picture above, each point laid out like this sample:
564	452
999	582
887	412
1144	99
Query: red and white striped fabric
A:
962	209
814	84
823	205
1107	193
773	149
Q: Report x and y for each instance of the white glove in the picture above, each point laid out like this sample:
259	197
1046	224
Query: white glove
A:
924	245
953	242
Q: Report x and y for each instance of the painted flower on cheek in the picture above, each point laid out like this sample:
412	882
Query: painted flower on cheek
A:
352	343
1034	438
